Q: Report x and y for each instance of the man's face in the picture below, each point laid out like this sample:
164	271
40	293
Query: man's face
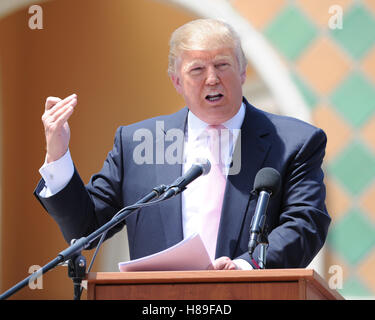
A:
211	82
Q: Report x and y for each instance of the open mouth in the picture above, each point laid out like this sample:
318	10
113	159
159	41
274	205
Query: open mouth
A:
214	97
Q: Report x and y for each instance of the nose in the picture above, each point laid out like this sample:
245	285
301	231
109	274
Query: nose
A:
212	77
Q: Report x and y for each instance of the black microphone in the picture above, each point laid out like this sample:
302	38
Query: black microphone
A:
267	182
201	167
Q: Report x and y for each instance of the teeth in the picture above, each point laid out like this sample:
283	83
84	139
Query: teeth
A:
214	97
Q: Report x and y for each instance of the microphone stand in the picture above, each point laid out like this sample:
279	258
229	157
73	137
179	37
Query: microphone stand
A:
72	254
77	271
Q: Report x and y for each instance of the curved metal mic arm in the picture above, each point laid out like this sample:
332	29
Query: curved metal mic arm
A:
75	249
72	254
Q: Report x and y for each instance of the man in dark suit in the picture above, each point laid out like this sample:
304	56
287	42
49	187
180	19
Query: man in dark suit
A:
208	68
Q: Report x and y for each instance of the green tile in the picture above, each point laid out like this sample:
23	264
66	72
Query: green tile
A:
352	237
355	99
354	288
354	168
357	35
307	93
290	32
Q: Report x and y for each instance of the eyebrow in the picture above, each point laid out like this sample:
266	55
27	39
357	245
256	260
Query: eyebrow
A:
220	57
199	61
192	63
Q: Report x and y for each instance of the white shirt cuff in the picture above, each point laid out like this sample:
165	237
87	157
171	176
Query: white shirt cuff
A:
242	264
56	175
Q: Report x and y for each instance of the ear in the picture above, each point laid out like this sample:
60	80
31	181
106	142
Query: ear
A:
176	82
243	77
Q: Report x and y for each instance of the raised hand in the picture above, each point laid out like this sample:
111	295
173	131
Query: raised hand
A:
56	127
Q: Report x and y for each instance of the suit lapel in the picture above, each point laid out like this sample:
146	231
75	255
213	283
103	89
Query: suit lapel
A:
170	210
250	151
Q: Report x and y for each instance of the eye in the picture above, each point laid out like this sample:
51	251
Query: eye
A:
196	70
222	65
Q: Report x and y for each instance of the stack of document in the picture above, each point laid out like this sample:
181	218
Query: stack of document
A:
189	254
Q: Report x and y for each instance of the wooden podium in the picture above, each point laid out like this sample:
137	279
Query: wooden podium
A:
272	284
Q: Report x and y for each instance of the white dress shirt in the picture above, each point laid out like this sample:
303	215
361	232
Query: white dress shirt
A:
196	147
57	174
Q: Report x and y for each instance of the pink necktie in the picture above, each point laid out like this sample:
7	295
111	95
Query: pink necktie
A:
215	187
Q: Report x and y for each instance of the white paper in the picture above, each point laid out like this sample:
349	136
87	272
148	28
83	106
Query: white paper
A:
189	254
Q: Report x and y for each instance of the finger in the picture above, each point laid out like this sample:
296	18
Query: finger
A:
64	116
224	263
230	266
56	115
62	103
50	102
220	266
220	263
49	118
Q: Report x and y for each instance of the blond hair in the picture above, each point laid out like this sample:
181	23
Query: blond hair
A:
204	34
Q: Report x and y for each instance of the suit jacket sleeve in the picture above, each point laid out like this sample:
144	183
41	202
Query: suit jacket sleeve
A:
303	219
79	209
